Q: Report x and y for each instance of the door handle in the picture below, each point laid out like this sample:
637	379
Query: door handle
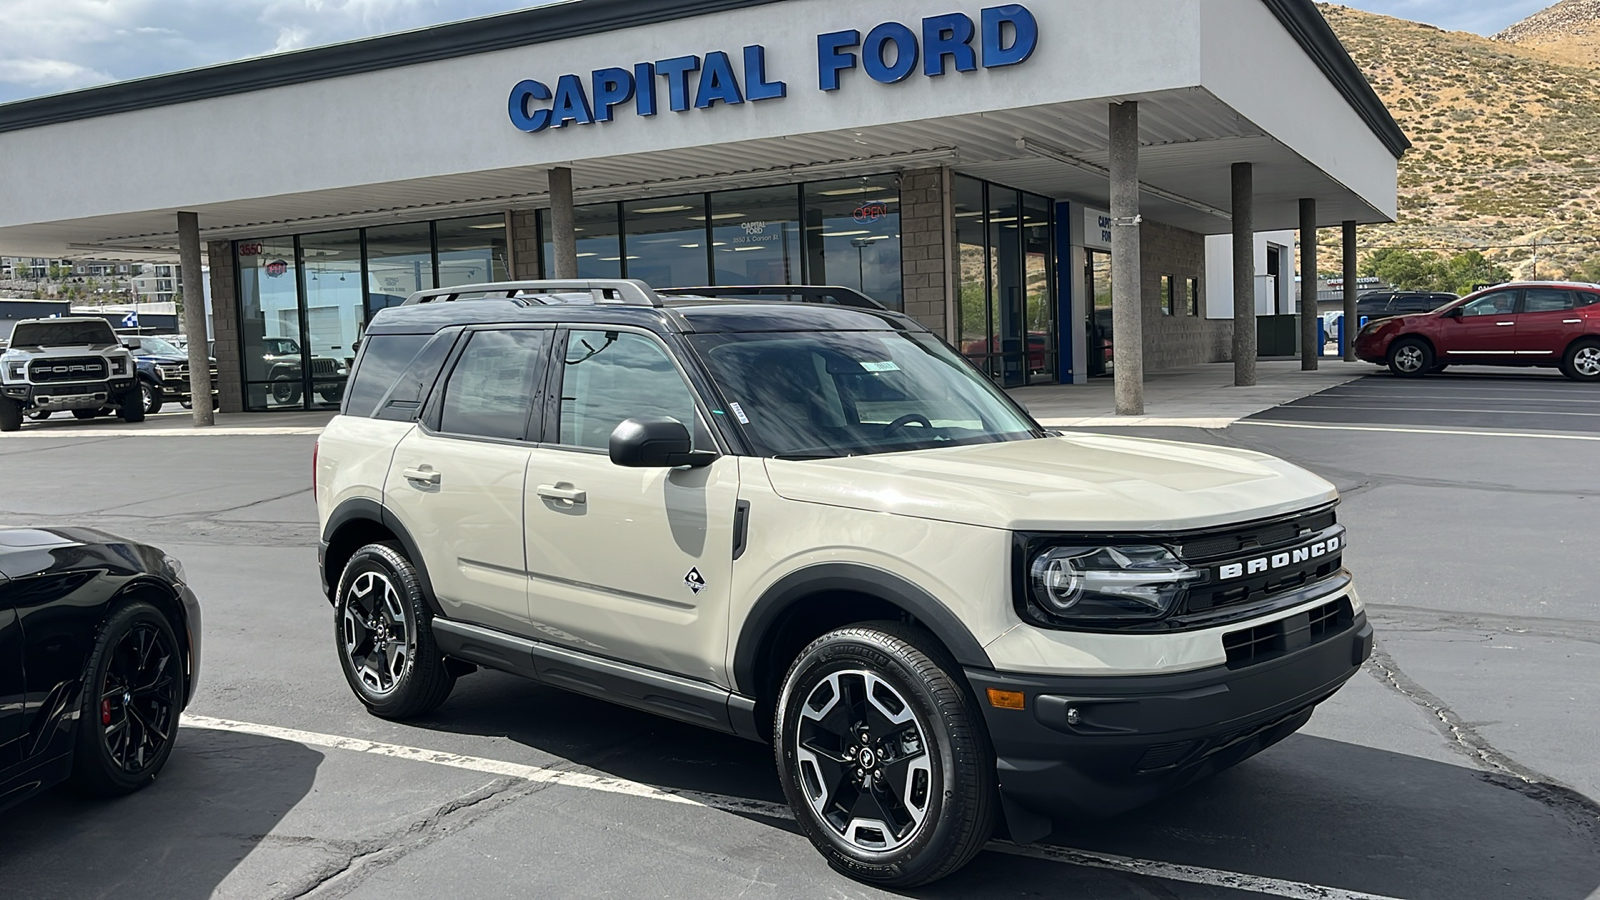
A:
422	476
1572	321
556	492
1505	324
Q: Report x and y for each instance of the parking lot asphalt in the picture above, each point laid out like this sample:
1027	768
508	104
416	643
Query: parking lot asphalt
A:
1459	764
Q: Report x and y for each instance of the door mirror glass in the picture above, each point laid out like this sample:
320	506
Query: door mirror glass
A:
655	442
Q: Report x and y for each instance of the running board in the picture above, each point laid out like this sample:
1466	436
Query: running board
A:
683	699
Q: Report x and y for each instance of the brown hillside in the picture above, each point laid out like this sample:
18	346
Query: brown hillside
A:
1567	32
1507	141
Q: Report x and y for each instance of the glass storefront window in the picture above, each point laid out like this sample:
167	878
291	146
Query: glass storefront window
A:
472	251
1038	251
756	236
399	263
667	240
853	235
331	263
269	322
599	242
972	262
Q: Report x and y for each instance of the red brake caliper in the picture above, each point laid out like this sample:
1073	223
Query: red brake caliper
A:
105	712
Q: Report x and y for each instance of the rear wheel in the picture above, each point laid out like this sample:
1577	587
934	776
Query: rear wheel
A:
883	757
285	390
10	414
1582	362
131	700
1410	358
383	630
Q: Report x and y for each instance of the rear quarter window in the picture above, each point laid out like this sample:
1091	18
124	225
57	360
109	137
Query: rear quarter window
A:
387	361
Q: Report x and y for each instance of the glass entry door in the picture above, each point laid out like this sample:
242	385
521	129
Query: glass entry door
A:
1097	281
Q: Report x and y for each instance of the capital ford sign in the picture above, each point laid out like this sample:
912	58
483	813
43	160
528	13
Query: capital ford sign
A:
890	53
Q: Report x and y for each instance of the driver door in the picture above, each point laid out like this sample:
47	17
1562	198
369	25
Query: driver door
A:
12	689
630	564
1485	327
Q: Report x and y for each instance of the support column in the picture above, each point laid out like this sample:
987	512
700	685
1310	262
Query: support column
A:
1244	275
194	318
1350	279
225	324
1127	282
562	234
1308	285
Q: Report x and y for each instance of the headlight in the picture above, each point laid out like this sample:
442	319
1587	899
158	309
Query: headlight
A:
14	371
1105	584
119	365
174	569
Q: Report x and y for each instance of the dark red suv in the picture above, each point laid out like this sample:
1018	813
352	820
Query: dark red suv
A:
1549	324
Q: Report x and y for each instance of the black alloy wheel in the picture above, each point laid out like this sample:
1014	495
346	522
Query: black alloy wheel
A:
131	702
10	414
131	407
1410	358
382	628
884	757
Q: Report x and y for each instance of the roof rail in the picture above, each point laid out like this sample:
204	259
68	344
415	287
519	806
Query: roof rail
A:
608	291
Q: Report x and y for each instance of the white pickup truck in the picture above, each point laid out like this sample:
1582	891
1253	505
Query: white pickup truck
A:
63	364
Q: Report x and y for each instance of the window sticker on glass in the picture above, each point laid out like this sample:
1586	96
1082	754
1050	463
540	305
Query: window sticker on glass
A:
885	366
738	413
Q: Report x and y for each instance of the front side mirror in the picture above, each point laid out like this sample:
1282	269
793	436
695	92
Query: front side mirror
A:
655	442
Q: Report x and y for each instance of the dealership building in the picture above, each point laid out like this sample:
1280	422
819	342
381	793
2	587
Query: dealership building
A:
954	159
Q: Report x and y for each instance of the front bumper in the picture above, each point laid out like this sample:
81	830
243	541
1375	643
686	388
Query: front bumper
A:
65	396
1101	745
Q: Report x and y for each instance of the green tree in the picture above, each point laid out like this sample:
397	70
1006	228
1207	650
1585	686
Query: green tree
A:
1465	271
55	271
1414	270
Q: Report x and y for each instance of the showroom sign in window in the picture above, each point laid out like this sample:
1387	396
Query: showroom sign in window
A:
890	53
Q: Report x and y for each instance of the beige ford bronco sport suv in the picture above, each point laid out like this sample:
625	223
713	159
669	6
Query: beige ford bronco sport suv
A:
816	525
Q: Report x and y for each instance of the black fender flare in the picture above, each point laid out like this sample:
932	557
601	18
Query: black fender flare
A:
855	578
365	509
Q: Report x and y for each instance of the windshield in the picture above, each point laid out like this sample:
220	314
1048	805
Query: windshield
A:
149	346
819	395
281	347
62	334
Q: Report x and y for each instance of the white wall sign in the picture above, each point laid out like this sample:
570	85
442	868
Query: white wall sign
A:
1096	229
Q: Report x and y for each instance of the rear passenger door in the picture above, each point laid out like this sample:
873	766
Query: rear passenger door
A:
631	564
1549	320
456	480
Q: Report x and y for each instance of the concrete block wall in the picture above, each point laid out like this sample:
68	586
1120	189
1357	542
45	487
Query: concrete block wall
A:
225	325
1179	339
924	242
525	249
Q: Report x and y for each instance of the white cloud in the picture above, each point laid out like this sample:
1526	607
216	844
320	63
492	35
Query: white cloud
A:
58	45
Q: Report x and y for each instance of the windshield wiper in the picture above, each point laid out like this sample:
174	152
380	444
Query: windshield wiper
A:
800	457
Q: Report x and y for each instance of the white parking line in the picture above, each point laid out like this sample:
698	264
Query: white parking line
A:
1274	887
1509	434
1436	409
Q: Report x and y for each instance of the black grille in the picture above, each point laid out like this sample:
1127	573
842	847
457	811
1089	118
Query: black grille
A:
1274	639
324	367
77	368
1261	536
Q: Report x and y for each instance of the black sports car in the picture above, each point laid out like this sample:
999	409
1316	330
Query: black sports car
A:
99	652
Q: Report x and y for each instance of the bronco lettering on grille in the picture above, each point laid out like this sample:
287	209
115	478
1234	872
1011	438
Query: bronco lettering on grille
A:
1281	560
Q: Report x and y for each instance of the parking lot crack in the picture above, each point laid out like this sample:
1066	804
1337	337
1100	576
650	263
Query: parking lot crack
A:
1495	766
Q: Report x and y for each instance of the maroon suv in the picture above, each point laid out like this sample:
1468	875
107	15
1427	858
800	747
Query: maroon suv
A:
1549	324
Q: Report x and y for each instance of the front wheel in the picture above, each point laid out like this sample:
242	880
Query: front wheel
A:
132	696
150	397
1410	358
132	407
10	414
383	630
1582	362
883	757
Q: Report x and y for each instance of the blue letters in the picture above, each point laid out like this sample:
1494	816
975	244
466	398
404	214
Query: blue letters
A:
756	85
833	57
1025	39
644	79
950	36
676	72
571	103
875	60
537	120
611	87
717	82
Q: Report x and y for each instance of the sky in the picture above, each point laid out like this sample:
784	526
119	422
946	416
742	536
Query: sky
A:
50	46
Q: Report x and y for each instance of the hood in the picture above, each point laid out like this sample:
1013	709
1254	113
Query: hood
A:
1082	482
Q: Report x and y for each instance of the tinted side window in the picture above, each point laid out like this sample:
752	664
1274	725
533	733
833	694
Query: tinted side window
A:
1412	305
1587	299
610	376
1546	300
493	388
1499	303
383	358
404	402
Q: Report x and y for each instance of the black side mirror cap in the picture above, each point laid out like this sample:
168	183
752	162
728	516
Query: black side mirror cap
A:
656	442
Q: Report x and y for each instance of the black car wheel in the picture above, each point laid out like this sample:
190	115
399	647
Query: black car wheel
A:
1410	358
10	414
1582	362
132	697
382	627
285	390
150	397
132	405
883	757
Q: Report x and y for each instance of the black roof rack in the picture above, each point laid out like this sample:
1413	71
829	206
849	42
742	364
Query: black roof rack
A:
607	291
831	295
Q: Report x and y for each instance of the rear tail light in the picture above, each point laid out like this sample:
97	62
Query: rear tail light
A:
316	449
